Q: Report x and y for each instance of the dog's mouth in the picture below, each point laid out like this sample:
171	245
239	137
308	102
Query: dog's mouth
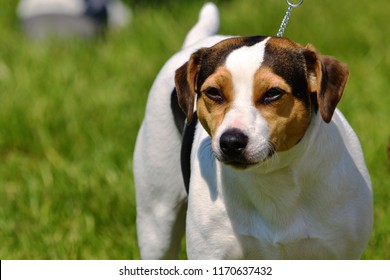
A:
244	161
239	164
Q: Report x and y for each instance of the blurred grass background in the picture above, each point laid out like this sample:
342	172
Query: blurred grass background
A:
70	111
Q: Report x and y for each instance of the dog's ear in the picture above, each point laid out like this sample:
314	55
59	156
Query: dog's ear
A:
327	79
185	80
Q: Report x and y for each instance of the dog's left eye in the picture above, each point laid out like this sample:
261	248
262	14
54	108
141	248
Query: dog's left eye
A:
214	94
272	95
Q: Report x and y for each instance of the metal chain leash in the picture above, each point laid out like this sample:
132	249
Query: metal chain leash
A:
287	16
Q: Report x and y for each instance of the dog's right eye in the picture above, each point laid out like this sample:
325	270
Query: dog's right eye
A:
214	94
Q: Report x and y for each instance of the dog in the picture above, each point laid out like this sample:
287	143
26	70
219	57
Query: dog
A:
272	167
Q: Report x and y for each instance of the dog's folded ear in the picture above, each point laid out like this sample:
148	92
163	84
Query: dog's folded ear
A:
185	80
327	79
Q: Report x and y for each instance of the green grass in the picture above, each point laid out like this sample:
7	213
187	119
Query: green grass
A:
70	111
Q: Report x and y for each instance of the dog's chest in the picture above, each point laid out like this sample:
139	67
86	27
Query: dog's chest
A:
273	231
226	220
247	235
285	239
230	234
300	248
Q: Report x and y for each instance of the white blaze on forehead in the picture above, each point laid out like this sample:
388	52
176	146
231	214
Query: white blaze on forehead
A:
243	64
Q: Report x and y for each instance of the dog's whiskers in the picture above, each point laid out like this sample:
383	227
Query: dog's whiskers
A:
273	157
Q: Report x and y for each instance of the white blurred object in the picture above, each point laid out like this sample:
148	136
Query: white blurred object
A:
32	8
84	18
119	14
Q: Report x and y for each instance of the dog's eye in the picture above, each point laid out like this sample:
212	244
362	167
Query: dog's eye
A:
214	94
272	95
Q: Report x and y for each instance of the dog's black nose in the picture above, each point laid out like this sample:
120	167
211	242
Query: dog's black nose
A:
233	142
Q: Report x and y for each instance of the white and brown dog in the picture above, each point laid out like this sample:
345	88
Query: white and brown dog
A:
273	168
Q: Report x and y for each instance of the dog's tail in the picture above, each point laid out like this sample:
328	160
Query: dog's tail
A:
207	25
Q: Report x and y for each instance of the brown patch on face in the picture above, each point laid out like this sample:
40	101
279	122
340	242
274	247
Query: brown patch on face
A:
190	77
215	56
287	116
211	110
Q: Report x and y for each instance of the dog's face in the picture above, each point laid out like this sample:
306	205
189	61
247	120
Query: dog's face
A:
256	95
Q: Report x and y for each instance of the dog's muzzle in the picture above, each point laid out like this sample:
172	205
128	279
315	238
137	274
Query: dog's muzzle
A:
235	150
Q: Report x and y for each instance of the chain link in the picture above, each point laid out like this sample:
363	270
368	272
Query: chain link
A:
287	16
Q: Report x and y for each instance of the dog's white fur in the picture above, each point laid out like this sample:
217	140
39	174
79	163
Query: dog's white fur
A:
313	201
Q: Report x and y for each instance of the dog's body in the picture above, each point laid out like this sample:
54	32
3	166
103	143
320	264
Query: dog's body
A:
276	170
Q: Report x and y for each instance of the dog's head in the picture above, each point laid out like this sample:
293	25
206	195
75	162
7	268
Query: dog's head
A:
256	95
